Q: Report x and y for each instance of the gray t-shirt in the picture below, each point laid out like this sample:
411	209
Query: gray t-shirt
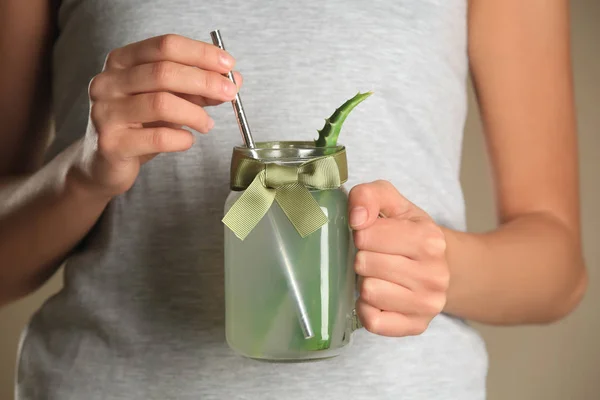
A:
141	313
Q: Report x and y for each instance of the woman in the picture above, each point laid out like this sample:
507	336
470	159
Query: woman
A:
132	200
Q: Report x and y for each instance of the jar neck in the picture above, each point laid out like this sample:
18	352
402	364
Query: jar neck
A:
307	160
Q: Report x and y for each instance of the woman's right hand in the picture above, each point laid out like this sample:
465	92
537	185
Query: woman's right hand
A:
146	92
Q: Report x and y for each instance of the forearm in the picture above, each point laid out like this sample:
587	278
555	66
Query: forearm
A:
42	217
530	270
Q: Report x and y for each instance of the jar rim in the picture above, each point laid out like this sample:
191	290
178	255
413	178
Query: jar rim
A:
286	150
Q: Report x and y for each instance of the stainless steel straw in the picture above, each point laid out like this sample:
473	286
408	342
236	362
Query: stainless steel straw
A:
285	259
237	102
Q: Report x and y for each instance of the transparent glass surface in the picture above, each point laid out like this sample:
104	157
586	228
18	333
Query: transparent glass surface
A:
274	276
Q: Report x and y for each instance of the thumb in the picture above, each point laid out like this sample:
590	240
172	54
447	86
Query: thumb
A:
368	201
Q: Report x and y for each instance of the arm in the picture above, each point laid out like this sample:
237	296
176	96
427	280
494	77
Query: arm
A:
33	201
46	211
530	269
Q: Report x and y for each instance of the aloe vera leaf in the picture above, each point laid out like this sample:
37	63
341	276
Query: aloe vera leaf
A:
337	267
328	135
306	262
338	263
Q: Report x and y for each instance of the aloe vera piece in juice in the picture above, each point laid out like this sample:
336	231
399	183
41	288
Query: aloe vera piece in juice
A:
328	135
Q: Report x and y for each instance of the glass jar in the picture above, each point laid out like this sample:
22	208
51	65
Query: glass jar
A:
289	297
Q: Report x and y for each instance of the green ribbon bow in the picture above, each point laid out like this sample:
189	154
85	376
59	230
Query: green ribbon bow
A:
288	185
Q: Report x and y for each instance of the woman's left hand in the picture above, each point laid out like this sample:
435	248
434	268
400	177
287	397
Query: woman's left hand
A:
401	263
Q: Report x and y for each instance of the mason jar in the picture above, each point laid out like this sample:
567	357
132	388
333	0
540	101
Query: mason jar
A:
289	279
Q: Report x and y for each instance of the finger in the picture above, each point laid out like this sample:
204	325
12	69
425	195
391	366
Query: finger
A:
163	76
199	100
151	107
205	101
174	48
405	237
367	201
392	268
402	271
151	141
388	296
386	323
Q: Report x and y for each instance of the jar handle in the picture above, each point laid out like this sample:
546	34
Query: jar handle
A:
355	323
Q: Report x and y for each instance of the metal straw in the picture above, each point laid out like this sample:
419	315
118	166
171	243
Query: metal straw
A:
286	262
237	102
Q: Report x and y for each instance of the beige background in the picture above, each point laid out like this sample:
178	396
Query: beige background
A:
552	363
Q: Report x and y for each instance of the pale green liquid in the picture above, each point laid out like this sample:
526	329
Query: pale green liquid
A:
261	310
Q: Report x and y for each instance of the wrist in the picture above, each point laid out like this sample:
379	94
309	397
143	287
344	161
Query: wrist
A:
79	185
464	249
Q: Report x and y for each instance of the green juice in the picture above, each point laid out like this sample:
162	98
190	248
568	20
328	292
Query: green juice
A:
261	309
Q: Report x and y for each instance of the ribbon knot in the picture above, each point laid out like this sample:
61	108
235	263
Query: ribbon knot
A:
279	175
288	185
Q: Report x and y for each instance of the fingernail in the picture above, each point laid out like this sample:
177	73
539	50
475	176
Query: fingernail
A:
226	60
211	123
358	216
